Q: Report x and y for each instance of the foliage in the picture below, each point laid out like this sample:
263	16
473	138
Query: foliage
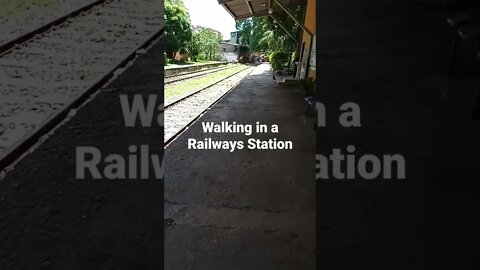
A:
178	62
258	34
264	34
194	47
205	44
209	41
201	57
251	32
278	60
183	50
244	54
178	31
244	49
172	44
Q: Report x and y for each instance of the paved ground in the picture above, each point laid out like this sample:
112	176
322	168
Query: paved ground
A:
247	209
51	220
391	57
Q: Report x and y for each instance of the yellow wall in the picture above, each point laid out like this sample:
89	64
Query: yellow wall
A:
310	24
310	17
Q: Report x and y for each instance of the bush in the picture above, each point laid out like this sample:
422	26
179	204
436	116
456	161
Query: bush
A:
177	62
244	49
202	57
278	60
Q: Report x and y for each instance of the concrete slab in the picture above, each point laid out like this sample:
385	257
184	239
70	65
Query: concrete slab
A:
249	209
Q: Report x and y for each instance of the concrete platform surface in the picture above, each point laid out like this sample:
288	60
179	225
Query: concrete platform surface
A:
249	209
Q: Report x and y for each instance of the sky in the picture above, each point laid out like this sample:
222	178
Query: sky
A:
209	13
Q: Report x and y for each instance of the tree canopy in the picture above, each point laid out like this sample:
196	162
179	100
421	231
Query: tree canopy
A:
205	41
264	34
178	28
259	34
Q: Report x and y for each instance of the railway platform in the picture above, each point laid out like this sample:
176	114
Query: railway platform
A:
233	205
243	209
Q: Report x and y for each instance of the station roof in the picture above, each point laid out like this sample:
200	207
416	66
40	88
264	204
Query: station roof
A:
240	9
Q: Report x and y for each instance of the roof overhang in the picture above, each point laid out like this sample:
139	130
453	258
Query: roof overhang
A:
240	9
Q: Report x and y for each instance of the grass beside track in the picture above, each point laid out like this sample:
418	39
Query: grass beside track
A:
190	85
191	64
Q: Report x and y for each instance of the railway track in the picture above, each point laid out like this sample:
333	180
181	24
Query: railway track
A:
195	74
183	112
48	72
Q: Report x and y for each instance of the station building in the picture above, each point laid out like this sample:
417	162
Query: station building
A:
310	40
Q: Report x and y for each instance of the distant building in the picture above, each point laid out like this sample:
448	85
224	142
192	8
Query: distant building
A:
235	37
229	51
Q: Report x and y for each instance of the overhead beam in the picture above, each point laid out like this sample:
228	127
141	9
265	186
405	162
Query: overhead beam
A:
228	10
294	18
249	5
256	14
284	29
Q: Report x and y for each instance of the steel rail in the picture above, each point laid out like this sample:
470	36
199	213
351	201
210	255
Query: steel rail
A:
195	75
190	123
202	89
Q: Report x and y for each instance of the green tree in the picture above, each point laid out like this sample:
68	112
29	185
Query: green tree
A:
194	47
208	42
172	45
252	30
178	32
264	34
